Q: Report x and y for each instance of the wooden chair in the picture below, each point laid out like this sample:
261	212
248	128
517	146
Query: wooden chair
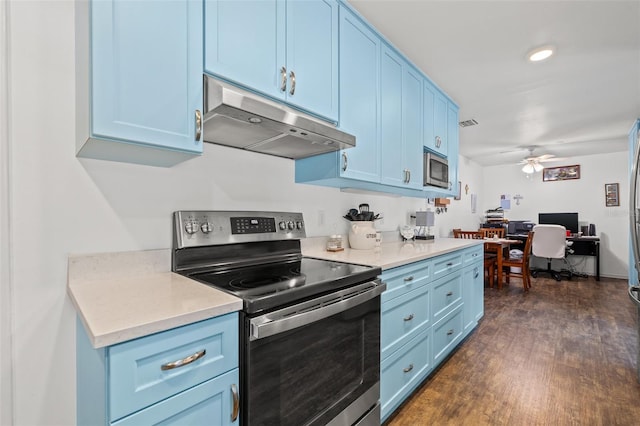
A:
523	264
470	235
492	232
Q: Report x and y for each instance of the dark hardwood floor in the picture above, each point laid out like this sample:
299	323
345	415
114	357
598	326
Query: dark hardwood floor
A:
562	354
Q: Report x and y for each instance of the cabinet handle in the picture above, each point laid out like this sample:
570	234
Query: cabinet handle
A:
236	403
198	125
409	368
476	273
438	141
450	332
450	186
450	294
408	176
292	76
283	79
409	318
184	361
449	264
344	161
408	279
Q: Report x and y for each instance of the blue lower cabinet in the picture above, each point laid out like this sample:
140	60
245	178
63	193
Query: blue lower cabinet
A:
402	318
403	371
210	403
179	376
447	333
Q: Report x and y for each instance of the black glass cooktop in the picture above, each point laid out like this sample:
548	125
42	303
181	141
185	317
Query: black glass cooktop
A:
270	285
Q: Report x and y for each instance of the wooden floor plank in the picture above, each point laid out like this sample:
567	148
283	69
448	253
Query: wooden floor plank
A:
563	353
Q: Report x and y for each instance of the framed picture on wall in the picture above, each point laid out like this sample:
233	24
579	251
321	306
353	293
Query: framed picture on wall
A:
611	194
551	174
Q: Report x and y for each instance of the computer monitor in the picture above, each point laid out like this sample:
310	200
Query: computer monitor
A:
568	220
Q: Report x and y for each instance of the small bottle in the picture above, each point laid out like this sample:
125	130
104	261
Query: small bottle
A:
334	243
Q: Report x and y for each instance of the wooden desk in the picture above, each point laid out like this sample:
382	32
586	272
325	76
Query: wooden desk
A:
497	245
582	246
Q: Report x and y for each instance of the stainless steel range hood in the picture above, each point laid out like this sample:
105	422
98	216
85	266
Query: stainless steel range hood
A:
241	119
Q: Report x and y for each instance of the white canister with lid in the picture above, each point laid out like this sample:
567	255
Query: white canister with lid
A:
362	235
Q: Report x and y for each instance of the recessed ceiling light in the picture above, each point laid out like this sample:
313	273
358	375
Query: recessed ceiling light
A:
540	53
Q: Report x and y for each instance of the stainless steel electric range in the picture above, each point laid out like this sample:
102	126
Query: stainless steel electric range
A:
309	328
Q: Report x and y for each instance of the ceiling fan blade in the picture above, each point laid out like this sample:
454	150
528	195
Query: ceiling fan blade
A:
548	160
545	157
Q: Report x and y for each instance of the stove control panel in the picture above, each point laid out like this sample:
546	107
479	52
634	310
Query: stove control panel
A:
202	228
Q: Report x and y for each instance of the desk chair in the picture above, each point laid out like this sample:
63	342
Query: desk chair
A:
492	232
550	242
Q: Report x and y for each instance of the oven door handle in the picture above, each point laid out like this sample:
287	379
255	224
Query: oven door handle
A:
313	310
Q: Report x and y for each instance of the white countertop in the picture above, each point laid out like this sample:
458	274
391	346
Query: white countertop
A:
392	254
123	296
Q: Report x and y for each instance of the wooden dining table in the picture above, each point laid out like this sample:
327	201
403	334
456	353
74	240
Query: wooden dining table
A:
498	245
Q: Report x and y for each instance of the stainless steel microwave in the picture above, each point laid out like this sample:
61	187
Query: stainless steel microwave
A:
436	171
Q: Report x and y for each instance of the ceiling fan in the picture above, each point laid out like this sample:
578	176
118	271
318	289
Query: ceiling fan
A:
532	164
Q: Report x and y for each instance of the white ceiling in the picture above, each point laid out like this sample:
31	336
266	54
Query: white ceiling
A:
583	100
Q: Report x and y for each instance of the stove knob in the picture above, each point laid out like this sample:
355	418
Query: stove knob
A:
299	225
282	226
290	225
191	227
206	227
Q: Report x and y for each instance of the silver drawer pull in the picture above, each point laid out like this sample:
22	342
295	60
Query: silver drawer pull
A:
345	161
408	279
450	294
184	361
450	264
409	318
450	332
292	77
198	125
236	403
409	368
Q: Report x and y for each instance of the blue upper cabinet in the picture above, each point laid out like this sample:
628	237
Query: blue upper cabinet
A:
140	74
359	112
286	49
435	120
391	125
452	147
401	121
412	117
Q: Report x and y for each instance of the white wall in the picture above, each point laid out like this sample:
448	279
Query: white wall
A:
64	205
584	196
6	381
458	214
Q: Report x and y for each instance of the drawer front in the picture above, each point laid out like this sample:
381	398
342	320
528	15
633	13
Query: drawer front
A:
446	335
403	371
210	403
405	278
446	294
137	379
446	264
403	318
473	254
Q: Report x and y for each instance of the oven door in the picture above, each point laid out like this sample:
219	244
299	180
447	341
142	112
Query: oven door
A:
314	363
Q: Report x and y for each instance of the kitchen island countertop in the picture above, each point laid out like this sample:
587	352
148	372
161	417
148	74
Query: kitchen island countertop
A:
392	254
123	296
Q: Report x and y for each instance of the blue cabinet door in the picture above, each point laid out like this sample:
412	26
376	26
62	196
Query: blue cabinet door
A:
440	123
207	404
393	171
452	148
312	56
412	126
146	72
359	112
244	42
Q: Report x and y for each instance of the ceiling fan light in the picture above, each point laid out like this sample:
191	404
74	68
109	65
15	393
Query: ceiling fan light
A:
537	167
528	168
